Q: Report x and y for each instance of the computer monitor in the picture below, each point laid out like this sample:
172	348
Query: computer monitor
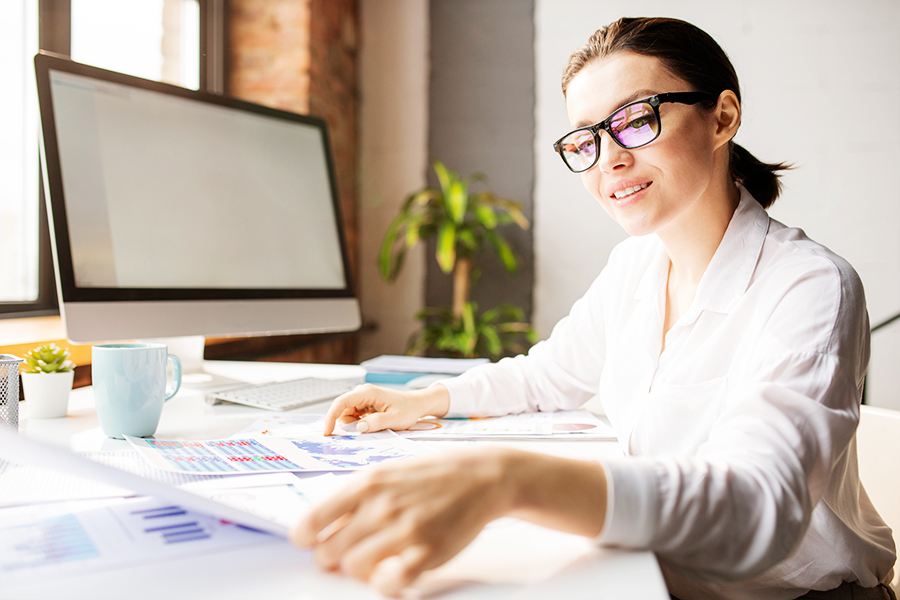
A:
182	213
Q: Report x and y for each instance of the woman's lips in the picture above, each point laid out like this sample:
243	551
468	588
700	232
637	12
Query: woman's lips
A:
628	193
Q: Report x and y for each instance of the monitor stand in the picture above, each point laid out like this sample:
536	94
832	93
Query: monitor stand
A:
189	349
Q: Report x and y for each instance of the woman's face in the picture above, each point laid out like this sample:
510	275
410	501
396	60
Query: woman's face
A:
675	171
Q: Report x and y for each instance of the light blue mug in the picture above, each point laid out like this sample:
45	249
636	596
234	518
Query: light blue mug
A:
130	387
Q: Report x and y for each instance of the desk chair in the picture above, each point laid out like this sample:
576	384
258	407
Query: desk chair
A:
878	449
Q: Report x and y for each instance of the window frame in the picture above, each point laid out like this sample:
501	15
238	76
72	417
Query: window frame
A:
54	35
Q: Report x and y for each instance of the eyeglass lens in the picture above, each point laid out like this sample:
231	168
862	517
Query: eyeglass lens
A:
633	126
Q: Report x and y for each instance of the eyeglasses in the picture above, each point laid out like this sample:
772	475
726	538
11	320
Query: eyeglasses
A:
634	125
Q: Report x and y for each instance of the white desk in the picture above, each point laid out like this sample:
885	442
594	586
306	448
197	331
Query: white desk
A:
520	562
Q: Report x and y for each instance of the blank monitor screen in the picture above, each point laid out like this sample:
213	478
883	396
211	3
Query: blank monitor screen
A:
164	198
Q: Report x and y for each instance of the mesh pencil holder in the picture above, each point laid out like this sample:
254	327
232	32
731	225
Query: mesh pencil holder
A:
9	390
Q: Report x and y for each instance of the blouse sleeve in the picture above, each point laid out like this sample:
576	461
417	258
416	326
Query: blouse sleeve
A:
742	503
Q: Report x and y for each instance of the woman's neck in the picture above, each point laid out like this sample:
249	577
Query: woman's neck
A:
692	239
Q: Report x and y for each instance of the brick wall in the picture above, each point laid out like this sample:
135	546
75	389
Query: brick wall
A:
269	52
301	56
334	96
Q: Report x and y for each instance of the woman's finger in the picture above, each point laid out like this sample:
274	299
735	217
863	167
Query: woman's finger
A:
345	405
308	528
362	559
373	422
365	539
395	573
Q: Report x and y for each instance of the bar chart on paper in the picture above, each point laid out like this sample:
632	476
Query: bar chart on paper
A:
169	525
72	538
314	453
44	542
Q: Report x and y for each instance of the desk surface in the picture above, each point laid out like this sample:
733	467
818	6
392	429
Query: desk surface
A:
508	560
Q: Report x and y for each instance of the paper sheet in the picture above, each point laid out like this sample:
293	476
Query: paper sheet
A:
289	425
311	453
417	364
560	425
74	536
26	484
71	538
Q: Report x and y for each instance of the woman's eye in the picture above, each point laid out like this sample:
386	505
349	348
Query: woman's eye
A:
639	122
586	147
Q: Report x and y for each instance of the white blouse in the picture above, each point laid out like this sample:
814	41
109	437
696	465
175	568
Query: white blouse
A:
741	471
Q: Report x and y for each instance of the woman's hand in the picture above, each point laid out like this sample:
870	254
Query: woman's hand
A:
392	523
382	408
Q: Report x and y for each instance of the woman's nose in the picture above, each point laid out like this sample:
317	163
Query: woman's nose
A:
612	155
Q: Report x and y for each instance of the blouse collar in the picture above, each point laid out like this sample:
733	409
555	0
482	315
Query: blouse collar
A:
729	272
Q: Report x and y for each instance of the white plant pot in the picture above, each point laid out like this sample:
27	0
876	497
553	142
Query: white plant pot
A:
47	394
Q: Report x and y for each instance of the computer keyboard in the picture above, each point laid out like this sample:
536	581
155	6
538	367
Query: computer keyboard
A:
285	395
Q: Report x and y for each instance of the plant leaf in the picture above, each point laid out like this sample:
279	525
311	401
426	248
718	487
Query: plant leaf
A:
412	232
485	215
466	238
446	247
444	176
494	345
511	207
457	200
503	251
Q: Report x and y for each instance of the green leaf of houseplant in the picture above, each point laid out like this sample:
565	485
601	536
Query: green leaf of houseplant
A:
503	251
445	177
485	215
492	340
446	247
457	199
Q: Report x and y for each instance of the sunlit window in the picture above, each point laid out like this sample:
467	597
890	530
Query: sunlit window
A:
18	153
154	39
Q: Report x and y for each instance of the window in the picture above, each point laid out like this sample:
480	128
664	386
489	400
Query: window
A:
176	41
153	39
18	153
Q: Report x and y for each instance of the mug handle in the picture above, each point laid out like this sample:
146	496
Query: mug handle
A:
176	376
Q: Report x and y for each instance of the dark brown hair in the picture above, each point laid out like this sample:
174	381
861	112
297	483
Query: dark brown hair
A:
691	54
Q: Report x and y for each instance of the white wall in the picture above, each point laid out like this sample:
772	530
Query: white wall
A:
394	136
821	89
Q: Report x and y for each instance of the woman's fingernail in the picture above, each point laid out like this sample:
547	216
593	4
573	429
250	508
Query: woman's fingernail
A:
362	427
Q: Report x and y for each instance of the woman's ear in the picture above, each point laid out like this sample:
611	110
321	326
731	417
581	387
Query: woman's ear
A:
728	117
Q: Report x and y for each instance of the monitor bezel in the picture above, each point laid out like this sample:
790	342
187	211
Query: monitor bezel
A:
69	291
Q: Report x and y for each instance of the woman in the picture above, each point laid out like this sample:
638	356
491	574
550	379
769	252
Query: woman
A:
728	351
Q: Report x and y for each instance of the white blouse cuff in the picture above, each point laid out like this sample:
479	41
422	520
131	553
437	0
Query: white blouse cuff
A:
462	402
631	510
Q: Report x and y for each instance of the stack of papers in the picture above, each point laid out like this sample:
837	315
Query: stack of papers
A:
390	363
200	495
395	369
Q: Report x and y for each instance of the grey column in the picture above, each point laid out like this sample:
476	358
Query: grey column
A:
481	109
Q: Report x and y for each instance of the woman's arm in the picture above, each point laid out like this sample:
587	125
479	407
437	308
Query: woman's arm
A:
391	524
560	373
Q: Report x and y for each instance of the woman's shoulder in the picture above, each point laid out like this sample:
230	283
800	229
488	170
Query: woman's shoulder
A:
788	250
810	287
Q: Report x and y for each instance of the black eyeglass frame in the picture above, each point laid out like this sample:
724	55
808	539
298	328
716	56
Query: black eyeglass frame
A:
654	101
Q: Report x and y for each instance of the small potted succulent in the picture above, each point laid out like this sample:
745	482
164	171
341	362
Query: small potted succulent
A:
47	379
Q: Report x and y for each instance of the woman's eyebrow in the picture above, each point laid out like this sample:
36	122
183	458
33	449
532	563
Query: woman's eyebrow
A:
622	102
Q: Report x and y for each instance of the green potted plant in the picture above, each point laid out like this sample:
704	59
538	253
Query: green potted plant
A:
47	379
462	221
